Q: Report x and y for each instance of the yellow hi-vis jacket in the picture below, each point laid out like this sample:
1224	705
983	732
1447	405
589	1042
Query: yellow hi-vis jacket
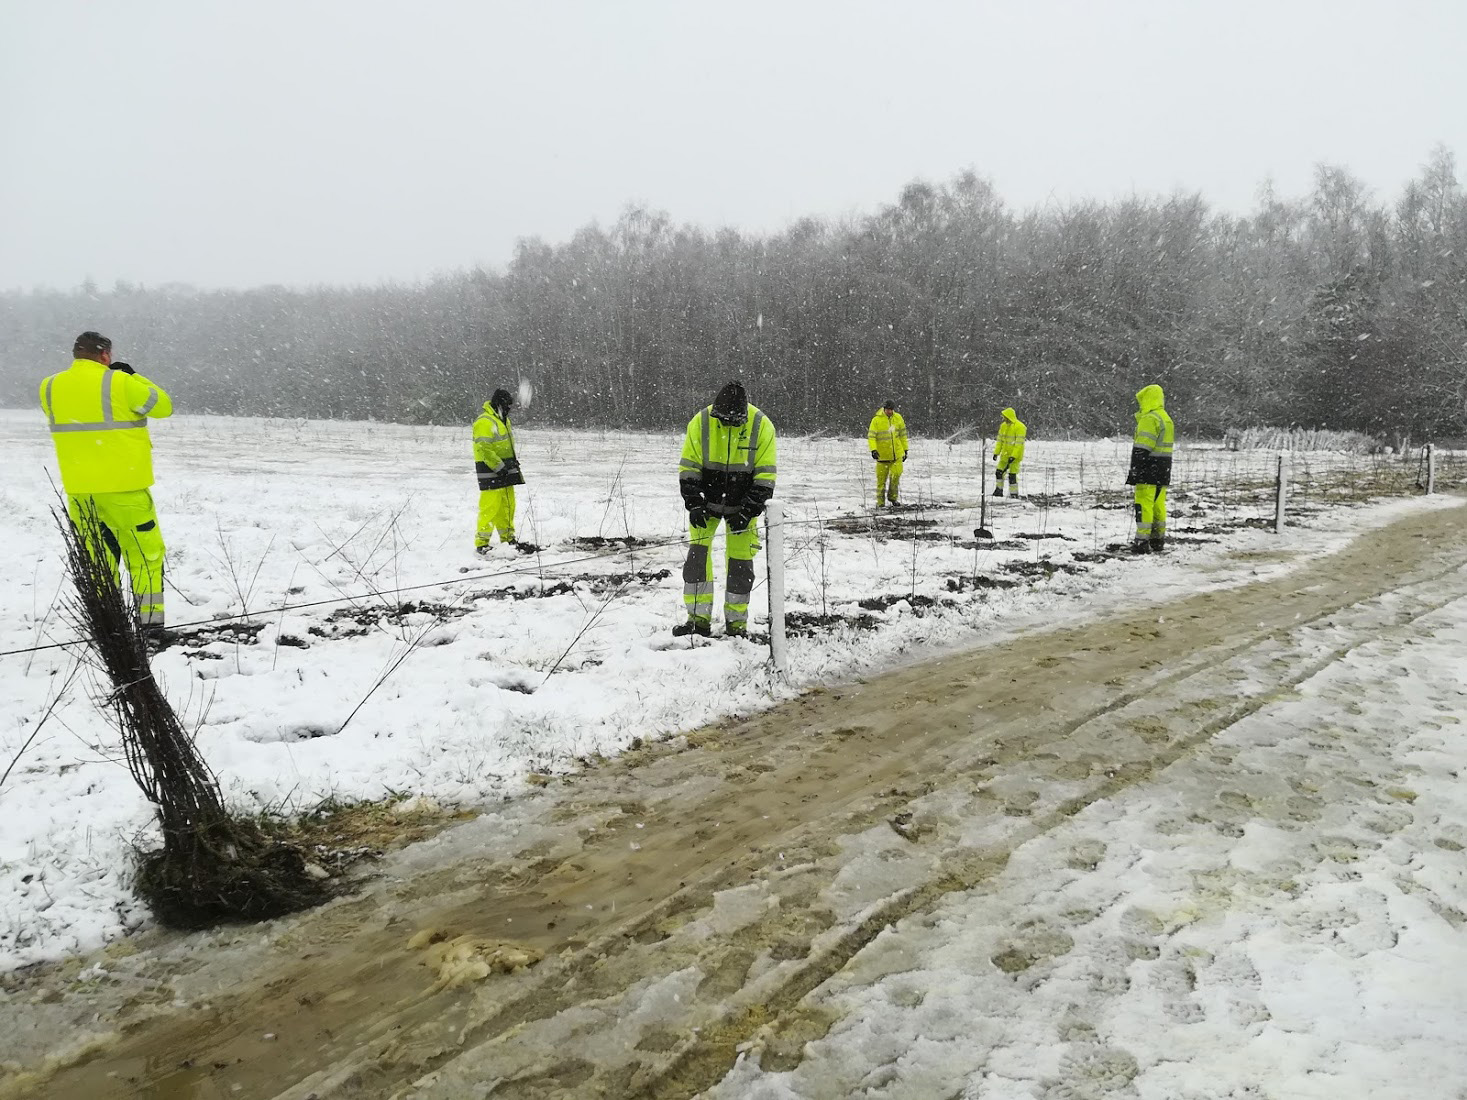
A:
728	468
887	437
99	423
1009	446
1151	446
495	462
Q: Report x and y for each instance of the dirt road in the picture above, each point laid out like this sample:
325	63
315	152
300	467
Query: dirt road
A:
685	899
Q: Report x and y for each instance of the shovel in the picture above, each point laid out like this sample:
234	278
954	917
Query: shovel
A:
982	531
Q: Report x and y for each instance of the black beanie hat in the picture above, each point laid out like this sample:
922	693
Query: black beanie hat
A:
501	401
732	404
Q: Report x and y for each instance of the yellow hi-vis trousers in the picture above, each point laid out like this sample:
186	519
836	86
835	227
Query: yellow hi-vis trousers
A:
129	531
888	475
1150	512
740	548
1012	469
496	513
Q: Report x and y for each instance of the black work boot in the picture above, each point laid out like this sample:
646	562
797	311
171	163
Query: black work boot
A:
1141	546
692	626
998	492
1158	544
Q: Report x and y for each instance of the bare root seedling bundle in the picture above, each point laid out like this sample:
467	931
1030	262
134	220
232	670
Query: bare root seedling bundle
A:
213	866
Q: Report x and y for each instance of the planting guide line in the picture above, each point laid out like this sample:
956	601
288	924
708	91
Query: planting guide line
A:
875	518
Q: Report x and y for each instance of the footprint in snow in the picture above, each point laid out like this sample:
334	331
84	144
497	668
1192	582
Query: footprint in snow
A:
1093	1072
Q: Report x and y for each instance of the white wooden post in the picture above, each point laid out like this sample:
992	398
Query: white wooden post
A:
774	559
1430	469
1282	497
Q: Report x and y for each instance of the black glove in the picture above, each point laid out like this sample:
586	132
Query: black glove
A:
876	455
125	368
698	517
741	519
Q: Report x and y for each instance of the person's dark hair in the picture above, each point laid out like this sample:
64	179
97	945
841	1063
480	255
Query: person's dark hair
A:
732	404
89	344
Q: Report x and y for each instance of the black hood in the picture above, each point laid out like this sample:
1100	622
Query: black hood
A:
501	402
732	404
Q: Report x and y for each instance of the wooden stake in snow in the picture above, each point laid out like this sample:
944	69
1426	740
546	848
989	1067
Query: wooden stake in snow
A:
1281	497
774	562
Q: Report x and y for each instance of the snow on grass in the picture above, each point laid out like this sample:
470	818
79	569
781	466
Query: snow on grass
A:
382	657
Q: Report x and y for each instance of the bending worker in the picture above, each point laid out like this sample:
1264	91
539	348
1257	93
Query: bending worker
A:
887	438
726	474
498	470
1151	469
1008	452
99	416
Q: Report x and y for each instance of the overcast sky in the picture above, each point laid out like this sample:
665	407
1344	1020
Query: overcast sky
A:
361	141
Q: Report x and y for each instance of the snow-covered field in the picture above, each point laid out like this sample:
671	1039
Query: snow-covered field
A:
403	664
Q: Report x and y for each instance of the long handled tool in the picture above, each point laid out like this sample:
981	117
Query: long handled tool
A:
982	531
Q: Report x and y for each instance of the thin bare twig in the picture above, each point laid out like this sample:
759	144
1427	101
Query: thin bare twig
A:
587	625
50	709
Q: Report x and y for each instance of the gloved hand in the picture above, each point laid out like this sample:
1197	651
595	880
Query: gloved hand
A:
741	519
876	455
125	368
698	517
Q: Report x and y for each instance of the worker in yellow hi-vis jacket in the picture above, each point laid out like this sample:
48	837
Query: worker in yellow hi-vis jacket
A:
1151	468
1008	452
98	412
498	470
726	473
887	438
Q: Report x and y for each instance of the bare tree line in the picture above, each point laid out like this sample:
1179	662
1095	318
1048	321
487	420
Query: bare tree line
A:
1331	311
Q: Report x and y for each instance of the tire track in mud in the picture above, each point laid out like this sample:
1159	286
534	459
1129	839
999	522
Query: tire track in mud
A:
773	810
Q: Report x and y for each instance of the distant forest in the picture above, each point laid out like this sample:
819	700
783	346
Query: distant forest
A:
1330	310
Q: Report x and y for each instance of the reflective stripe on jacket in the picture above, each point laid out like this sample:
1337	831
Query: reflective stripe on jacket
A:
728	467
99	424
887	437
1153	442
1010	442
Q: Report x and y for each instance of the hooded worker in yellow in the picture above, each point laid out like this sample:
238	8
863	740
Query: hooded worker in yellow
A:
98	413
887	438
1151	468
498	470
726	475
1008	452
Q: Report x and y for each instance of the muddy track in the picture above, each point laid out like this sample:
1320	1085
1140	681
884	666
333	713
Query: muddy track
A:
687	898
